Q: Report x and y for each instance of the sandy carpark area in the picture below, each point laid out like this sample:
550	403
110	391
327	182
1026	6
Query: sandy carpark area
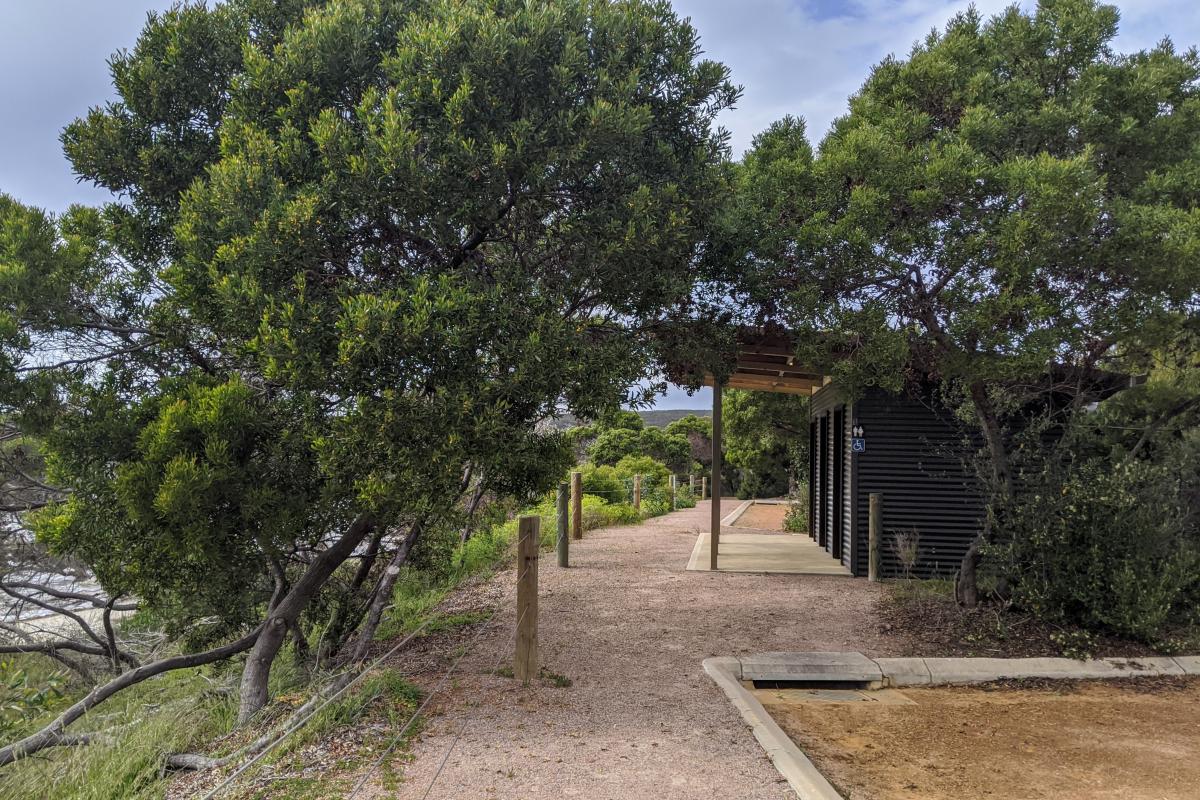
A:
1137	739
762	516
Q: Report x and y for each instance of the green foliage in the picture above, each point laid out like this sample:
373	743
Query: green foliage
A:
22	698
613	444
654	474
691	424
1013	196
796	518
1104	532
605	482
345	269
766	437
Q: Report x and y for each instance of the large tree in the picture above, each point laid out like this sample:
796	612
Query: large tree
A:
1008	208
361	250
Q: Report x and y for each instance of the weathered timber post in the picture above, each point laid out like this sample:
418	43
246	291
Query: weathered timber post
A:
703	488
525	663
564	539
714	541
637	492
576	505
874	531
692	484
673	492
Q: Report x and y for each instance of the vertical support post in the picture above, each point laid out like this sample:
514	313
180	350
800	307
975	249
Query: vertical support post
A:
874	532
672	492
564	539
692	484
525	663
703	488
637	492
714	541
576	505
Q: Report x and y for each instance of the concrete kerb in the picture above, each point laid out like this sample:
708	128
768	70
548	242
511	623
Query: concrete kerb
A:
803	776
732	517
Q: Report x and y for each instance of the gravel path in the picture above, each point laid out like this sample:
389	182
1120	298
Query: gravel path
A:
629	627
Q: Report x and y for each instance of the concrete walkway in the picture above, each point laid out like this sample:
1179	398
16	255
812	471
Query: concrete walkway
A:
748	550
629	626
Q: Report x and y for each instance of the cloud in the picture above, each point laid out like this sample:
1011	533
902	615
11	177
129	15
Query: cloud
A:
807	58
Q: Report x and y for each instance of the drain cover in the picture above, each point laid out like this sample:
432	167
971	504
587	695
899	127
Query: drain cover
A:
887	697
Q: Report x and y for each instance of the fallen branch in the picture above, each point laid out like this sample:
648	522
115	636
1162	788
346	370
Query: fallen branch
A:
55	732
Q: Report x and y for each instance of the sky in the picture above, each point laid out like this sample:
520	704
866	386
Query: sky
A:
798	57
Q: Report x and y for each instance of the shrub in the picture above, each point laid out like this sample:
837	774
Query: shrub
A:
1108	545
654	474
604	481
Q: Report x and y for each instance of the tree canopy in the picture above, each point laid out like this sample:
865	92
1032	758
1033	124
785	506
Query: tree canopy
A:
1008	208
362	249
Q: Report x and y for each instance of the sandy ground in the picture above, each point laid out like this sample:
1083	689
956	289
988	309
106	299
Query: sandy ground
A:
1097	741
629	627
763	516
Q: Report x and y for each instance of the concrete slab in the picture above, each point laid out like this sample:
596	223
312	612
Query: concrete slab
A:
824	667
1150	665
802	776
787	553
1189	664
982	670
903	671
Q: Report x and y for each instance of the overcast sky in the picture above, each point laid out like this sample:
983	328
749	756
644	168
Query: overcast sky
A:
799	57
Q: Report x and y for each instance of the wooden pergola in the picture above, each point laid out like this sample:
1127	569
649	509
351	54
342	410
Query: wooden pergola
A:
765	363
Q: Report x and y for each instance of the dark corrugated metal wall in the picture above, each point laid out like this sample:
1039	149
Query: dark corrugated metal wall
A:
915	456
832	508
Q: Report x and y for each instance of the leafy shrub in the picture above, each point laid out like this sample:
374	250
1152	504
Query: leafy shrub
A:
1108	545
796	518
22	698
604	481
654	474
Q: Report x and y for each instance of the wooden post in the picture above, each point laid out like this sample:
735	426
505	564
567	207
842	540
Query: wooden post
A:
874	532
576	505
564	539
637	492
714	541
703	488
525	663
672	492
692	484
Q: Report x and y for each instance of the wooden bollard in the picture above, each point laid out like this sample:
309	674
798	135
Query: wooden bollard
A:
525	662
874	531
637	492
564	539
704	488
672	492
576	505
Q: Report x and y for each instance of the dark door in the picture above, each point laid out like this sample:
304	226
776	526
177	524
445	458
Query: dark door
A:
823	469
812	479
839	481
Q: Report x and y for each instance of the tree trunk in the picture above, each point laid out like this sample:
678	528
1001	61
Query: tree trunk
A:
257	672
55	733
383	592
966	584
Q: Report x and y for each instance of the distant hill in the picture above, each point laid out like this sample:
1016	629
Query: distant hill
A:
662	417
654	418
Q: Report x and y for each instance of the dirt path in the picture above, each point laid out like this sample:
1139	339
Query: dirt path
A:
629	627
